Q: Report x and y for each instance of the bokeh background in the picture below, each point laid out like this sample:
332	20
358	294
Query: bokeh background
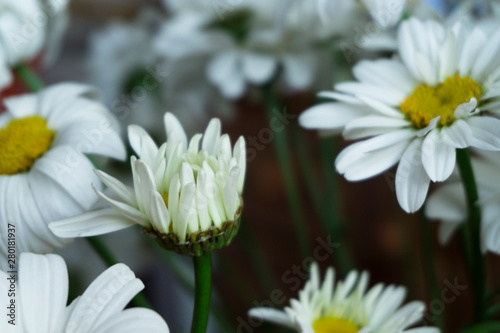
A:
256	268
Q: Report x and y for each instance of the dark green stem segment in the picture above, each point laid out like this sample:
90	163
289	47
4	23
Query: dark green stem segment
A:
285	161
30	78
106	255
202	285
429	267
473	228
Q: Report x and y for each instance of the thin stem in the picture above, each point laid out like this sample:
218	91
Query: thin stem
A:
30	78
331	205
429	267
203	284
473	229
108	258
285	161
184	277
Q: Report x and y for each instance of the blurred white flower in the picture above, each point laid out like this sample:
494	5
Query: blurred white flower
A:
248	42
348	307
448	203
26	27
44	174
138	84
439	96
42	294
179	189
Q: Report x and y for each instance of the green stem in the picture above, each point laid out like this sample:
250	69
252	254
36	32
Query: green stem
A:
285	161
202	283
429	268
106	255
331	205
30	78
473	229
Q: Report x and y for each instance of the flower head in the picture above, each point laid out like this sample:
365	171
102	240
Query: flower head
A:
188	196
44	174
42	295
347	307
417	110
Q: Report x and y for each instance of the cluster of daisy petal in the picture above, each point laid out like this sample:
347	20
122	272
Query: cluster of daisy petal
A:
348	306
183	192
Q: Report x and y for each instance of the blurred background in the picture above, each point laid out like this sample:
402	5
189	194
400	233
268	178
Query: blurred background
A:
116	44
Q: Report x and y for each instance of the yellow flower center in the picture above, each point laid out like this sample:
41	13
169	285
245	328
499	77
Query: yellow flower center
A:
22	142
427	103
334	325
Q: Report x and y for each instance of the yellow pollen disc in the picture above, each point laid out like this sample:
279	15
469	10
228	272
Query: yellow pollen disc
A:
22	142
427	103
334	325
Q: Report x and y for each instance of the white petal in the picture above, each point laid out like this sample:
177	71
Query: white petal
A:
133	321
122	191
447	57
485	132
129	212
366	165
258	68
43	292
299	69
91	224
239	152
186	205
272	315
174	130
118	284
372	125
331	116
212	134
438	158
458	135
384	94
412	181
160	214
138	137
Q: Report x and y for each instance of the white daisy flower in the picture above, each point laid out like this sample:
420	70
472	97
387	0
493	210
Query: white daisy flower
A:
44	174
417	110
41	294
26	26
347	307
182	192
448	203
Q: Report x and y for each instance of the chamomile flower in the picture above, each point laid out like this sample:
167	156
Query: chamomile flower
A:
347	307
438	96
41	295
448	203
44	174
187	196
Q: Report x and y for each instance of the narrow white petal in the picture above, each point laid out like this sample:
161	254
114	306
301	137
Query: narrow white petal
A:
122	191
212	134
91	224
438	158
331	116
273	316
174	130
240	153
128	211
186	206
412	181
161	217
